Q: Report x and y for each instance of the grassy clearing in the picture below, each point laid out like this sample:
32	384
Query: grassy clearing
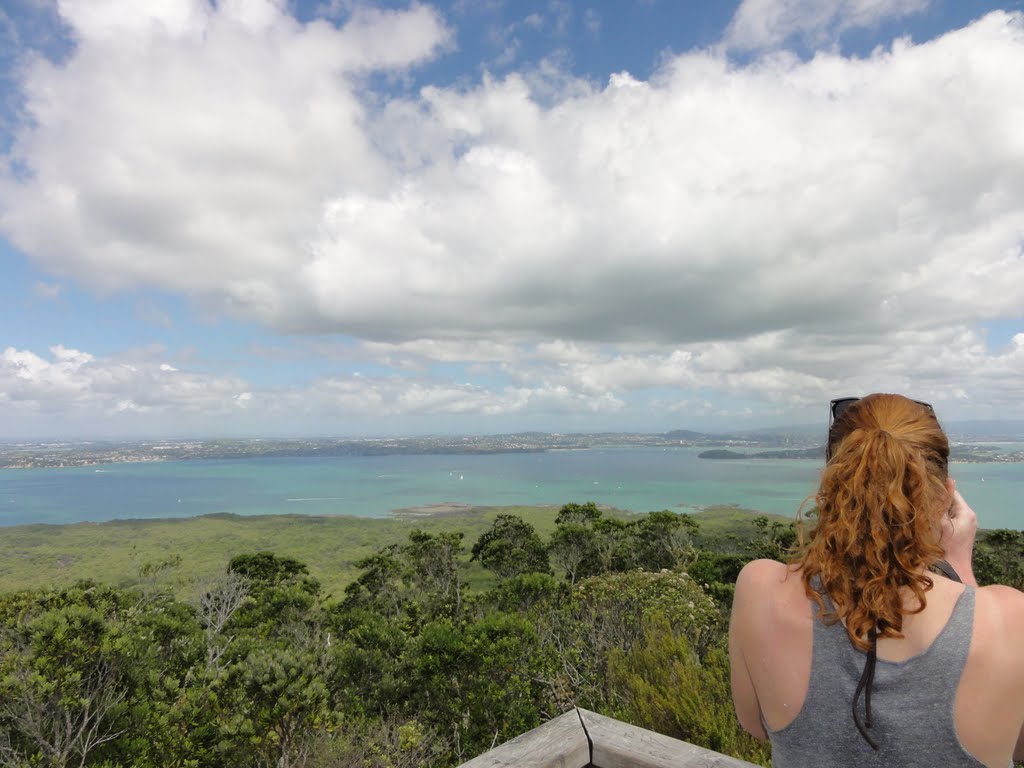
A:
114	552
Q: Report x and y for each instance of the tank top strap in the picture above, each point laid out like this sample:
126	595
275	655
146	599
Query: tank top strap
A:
939	666
954	639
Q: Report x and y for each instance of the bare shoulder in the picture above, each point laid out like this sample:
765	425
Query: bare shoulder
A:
763	574
1005	605
998	626
770	608
765	583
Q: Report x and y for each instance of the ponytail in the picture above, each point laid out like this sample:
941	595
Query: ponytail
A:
878	508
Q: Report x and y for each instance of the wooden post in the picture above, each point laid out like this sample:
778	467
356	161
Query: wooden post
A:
559	743
620	745
584	739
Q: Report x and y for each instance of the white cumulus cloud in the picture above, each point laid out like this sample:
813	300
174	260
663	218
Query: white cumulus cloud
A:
711	202
768	23
72	382
775	229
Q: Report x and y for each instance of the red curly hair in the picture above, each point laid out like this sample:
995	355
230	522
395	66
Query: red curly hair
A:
879	508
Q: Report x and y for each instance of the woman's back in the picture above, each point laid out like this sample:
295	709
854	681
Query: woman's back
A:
858	655
950	692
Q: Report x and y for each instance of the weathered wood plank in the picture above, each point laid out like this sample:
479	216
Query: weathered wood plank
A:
620	745
559	743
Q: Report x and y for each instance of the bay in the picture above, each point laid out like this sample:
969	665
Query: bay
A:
637	479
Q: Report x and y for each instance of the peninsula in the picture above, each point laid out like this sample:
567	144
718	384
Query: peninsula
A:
794	443
25	455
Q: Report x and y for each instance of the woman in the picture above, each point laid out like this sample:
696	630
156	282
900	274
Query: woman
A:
857	653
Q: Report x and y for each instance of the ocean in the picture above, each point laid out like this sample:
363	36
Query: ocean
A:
638	479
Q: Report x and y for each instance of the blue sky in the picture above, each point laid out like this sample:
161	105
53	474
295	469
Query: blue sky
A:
353	218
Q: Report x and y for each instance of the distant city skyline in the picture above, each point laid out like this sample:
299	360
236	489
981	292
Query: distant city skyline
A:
269	218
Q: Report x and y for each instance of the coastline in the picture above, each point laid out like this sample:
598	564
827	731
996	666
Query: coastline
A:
438	509
413	488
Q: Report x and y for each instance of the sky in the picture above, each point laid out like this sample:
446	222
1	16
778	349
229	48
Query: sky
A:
342	218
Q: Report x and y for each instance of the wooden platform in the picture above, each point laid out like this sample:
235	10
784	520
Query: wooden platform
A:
584	739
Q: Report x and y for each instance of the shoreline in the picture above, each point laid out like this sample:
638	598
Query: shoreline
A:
438	509
431	511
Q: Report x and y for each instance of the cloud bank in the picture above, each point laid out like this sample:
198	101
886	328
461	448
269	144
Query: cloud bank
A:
554	385
69	380
760	24
769	229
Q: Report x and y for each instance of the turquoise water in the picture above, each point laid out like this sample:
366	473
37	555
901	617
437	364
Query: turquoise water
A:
640	479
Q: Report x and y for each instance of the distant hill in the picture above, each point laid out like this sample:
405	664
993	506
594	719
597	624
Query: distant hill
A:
797	453
686	434
985	429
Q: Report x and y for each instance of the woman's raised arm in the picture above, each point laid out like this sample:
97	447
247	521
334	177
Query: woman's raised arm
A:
959	528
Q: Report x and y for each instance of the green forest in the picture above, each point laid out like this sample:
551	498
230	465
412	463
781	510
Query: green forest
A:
438	647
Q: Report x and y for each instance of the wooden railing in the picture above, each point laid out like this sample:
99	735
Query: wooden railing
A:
584	739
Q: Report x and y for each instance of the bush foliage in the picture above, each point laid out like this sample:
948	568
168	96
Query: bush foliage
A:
409	667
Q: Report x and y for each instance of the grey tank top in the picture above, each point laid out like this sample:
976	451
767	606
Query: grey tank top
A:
911	703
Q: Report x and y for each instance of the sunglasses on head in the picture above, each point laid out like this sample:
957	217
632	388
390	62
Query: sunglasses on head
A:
841	405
